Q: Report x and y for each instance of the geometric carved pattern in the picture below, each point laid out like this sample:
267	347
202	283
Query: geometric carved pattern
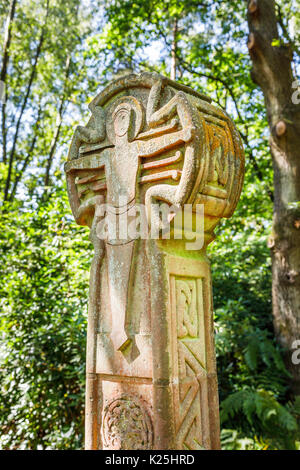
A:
127	425
186	305
192	375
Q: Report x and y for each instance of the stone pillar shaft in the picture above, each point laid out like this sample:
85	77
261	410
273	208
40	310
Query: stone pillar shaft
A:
151	369
173	378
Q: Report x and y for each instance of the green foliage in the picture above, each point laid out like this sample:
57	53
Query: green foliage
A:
265	416
253	382
44	261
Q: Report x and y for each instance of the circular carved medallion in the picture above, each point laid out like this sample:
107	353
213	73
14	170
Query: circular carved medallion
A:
126	425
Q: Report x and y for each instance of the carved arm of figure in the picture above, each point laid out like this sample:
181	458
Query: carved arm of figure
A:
165	142
176	106
89	135
181	107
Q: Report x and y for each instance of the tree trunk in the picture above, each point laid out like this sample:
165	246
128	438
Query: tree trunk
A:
174	50
3	73
272	72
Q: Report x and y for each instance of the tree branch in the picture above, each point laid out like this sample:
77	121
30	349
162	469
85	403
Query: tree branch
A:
285	30
32	75
28	156
174	50
58	127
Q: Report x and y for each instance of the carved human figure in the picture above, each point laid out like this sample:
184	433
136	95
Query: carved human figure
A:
121	176
121	169
122	165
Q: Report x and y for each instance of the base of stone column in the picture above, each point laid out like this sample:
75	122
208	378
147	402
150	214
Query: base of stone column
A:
162	393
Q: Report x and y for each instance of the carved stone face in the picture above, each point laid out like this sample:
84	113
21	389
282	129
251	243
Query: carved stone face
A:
121	122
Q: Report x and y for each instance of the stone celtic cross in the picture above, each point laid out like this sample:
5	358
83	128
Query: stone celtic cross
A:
151	373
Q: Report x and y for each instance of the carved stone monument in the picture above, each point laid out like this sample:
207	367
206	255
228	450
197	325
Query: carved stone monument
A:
151	370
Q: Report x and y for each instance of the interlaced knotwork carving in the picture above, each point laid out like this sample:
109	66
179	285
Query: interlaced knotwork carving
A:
127	425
